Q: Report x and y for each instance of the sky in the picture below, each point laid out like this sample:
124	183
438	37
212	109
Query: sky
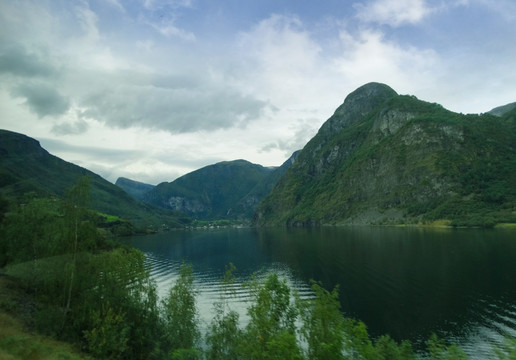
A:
153	89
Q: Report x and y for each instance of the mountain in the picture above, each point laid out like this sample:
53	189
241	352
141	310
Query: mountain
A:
134	188
213	192
502	110
247	205
26	167
389	158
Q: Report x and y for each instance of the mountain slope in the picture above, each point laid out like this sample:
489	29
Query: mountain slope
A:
26	167
502	110
212	192
134	188
249	202
387	157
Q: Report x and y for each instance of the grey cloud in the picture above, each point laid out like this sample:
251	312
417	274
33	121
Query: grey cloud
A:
177	110
306	130
70	128
114	155
42	99
17	61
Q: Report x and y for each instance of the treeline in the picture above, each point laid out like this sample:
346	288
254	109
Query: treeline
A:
83	288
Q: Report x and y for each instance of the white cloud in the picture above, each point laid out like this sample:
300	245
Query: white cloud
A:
116	4
88	22
393	12
170	30
367	57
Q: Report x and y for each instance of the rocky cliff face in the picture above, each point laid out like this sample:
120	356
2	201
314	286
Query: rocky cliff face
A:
386	157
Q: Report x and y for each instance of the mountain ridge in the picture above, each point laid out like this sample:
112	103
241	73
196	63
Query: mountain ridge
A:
398	159
212	192
134	188
26	167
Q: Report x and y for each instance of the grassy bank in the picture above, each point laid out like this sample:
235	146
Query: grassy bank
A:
16	341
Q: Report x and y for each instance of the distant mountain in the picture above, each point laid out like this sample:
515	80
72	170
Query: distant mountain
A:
502	110
389	158
134	188
249	202
219	191
26	167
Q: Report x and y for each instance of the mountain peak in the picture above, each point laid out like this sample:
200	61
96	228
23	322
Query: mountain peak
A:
358	105
16	143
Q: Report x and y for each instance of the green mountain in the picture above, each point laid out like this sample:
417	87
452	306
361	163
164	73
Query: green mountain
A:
247	205
218	191
502	110
25	167
134	188
389	158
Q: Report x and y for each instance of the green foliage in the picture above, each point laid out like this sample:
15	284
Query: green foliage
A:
387	349
224	335
438	350
507	351
4	206
271	331
180	315
18	344
323	324
54	250
109	336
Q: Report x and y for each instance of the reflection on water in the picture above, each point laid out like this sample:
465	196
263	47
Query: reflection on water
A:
405	282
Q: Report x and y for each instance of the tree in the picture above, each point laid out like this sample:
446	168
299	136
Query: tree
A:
438	350
271	332
180	316
75	210
224	335
323	324
387	349
507	351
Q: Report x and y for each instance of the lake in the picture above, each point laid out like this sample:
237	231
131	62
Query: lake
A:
405	282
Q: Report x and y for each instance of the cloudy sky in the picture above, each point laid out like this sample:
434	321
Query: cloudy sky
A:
153	89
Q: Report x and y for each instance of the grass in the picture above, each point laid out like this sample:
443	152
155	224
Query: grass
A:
110	218
17	343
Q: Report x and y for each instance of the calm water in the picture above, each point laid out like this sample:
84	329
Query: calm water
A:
403	282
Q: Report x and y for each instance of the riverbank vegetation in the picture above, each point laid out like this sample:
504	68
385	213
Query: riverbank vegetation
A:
68	290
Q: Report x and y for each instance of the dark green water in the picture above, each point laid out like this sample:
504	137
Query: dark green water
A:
405	282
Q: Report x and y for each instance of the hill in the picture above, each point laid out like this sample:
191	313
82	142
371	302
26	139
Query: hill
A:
134	188
25	167
502	110
389	158
213	192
